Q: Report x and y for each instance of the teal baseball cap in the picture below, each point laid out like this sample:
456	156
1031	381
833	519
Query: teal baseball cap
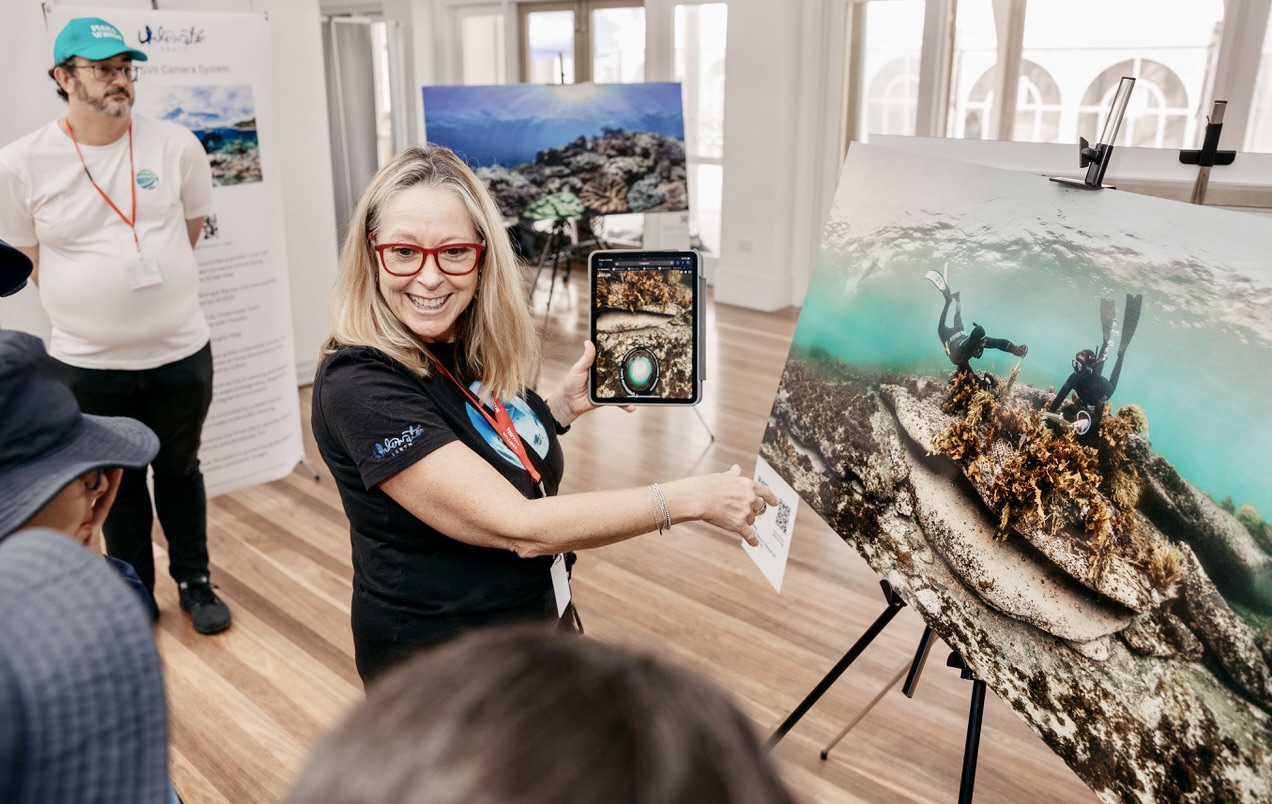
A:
94	39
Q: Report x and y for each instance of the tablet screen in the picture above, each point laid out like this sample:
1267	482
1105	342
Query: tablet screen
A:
646	322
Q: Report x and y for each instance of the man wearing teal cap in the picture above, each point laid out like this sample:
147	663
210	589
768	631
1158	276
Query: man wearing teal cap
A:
109	205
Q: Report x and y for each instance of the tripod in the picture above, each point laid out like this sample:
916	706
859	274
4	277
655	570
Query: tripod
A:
971	746
558	246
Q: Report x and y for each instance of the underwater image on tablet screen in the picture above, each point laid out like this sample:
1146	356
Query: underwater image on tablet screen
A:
645	324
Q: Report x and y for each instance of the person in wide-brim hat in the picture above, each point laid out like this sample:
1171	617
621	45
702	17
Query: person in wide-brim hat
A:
46	443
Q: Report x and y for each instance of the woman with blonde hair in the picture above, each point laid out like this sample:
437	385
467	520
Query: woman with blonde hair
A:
446	459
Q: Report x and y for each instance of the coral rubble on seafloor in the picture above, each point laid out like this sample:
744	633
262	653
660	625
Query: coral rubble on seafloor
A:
1077	577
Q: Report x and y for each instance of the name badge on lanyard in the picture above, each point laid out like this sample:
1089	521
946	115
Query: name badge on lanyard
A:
142	271
560	583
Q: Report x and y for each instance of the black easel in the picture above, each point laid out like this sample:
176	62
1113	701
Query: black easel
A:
971	746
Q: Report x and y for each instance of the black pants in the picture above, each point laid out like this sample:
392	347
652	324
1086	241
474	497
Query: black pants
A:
384	635
173	401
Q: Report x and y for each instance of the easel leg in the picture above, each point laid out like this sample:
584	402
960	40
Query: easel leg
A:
543	257
555	239
911	682
892	682
894	605
920	659
710	437
304	461
971	748
556	262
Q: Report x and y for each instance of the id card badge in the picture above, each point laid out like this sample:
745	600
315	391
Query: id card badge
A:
142	272
560	583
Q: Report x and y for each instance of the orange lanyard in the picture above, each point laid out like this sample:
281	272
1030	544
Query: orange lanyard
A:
132	184
502	424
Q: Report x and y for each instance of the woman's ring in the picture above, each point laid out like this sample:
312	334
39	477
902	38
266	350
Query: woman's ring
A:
763	507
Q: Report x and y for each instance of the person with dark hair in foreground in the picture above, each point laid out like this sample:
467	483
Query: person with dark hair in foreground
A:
525	715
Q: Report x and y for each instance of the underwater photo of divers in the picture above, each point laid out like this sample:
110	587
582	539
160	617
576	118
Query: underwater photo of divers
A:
1070	481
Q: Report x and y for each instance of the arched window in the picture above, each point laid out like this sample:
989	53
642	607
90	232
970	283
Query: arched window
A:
890	106
1159	113
1037	106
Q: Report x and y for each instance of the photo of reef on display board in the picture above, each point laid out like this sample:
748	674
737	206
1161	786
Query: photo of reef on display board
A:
562	151
1041	413
224	120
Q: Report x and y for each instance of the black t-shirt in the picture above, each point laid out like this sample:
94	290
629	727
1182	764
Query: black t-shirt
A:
413	585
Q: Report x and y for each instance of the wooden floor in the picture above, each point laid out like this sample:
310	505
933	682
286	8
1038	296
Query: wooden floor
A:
246	705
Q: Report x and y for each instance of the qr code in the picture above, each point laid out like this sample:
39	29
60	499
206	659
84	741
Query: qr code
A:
783	520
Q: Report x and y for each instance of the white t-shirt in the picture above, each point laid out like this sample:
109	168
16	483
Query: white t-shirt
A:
87	249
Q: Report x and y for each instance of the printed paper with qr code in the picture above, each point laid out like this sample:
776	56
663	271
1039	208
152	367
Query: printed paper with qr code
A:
774	526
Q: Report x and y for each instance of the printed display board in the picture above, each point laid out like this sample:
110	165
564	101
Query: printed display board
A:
208	72
562	151
1041	413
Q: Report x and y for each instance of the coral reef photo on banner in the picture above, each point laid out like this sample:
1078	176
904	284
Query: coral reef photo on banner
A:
224	120
1041	413
561	151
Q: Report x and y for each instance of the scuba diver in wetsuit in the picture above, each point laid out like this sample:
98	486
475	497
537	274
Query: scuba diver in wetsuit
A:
1087	379
962	346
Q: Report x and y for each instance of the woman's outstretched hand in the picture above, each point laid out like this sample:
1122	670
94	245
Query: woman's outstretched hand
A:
734	501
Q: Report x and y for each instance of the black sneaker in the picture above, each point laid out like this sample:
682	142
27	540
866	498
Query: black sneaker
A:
210	615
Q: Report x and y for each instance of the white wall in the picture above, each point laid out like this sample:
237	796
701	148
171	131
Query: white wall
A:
303	152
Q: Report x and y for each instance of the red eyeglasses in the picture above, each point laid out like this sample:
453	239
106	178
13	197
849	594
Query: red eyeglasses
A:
406	259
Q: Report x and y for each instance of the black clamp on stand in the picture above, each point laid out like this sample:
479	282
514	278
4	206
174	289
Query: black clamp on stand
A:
1096	160
971	747
1209	155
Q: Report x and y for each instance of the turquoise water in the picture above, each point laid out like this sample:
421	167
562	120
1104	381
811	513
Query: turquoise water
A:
1203	379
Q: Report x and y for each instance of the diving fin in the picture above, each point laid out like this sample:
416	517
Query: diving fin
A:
1130	320
1108	310
940	280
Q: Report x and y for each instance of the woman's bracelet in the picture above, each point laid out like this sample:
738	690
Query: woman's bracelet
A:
662	514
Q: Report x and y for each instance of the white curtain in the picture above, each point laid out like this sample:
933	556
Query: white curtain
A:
349	55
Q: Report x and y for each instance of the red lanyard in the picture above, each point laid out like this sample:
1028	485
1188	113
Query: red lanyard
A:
502	424
132	184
